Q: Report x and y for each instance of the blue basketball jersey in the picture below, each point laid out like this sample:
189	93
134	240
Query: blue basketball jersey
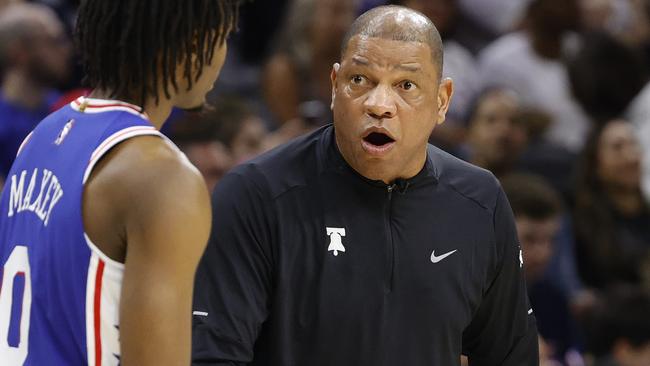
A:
59	294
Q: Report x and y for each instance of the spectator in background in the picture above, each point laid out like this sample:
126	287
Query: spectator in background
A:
459	64
239	128
606	76
530	62
300	67
195	135
538	211
620	329
34	59
612	220
220	137
610	79
495	137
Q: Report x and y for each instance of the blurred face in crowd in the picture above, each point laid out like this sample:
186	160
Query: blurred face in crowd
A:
443	13
247	143
495	137
48	51
212	159
536	238
387	98
619	156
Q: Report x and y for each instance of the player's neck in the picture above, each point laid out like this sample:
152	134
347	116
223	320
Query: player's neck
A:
157	112
21	90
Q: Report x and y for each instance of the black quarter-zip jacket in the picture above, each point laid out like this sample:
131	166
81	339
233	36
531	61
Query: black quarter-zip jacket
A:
310	264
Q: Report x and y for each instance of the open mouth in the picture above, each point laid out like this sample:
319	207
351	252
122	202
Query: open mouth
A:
377	143
378	139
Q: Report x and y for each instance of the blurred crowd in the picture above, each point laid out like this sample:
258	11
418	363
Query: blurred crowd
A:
552	96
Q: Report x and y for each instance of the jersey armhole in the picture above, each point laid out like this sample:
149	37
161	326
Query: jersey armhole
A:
98	153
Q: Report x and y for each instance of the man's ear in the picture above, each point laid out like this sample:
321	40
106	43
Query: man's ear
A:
445	92
333	75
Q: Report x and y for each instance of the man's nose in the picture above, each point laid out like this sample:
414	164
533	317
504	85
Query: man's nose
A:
380	103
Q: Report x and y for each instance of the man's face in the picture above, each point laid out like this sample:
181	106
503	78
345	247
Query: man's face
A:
195	97
248	141
536	238
50	52
494	136
212	159
386	99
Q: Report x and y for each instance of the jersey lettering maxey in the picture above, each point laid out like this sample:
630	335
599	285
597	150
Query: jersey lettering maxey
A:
59	294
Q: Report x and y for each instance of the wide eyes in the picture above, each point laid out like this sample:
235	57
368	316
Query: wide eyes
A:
407	85
360	80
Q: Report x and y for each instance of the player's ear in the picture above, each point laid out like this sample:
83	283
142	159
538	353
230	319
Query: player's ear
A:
333	75
445	92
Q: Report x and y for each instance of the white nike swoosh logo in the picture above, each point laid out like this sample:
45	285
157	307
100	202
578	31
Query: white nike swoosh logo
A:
437	259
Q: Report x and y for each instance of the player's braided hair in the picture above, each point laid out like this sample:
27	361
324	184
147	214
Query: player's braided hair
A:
130	47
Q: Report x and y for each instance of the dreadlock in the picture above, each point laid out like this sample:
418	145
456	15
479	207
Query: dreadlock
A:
130	47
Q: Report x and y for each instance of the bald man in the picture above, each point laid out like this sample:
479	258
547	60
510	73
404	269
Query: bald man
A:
360	244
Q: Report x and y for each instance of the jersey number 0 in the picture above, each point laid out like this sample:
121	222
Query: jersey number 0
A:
15	306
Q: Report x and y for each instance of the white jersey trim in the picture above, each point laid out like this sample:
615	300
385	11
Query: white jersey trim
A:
103	290
115	139
25	141
93	105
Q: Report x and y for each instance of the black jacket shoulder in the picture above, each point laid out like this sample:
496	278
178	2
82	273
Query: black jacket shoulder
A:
472	182
287	166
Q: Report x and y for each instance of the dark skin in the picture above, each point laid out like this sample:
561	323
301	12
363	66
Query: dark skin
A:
146	206
393	88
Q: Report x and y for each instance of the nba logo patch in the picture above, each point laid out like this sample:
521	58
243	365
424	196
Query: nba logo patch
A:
64	132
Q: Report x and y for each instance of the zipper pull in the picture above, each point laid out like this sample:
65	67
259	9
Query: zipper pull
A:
390	189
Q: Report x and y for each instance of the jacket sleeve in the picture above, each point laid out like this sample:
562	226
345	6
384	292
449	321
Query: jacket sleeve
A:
233	279
503	331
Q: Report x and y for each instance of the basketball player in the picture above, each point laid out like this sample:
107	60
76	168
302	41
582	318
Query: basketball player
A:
102	220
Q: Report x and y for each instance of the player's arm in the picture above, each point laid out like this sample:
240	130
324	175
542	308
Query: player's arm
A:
234	278
503	331
162	210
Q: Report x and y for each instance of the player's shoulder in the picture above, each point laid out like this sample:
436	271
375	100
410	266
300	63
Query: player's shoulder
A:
468	180
149	166
285	167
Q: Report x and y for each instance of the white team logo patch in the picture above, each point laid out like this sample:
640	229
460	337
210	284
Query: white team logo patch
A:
336	245
64	132
521	258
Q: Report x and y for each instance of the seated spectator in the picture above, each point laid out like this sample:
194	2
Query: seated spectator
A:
538	212
495	137
239	128
601	65
530	62
195	135
620	329
612	220
34	58
219	137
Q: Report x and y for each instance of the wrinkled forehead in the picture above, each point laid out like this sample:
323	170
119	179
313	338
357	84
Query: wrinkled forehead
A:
385	49
389	54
